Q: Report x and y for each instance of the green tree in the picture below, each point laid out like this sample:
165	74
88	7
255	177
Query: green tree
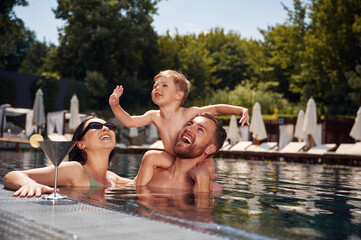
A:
12	35
35	58
332	48
285	47
113	38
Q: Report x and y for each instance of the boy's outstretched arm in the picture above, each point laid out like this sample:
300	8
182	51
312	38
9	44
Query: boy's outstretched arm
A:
224	109
123	116
151	159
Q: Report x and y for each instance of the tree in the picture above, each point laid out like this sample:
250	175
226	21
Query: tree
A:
332	48
12	34
113	38
285	46
34	58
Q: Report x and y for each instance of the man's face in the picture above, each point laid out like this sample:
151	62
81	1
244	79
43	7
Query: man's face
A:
195	138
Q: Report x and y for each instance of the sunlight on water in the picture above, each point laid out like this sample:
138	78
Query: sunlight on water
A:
261	200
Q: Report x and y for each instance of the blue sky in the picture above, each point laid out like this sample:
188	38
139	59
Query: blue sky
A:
186	16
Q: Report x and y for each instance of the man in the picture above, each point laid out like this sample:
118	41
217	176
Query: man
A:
201	137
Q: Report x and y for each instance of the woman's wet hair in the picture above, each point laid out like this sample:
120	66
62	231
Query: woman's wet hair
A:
77	154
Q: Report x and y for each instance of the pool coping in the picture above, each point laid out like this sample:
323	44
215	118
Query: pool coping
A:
36	218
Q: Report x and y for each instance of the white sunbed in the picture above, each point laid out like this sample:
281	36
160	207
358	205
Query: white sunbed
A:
240	146
349	148
56	137
344	148
263	147
226	146
157	145
293	147
322	148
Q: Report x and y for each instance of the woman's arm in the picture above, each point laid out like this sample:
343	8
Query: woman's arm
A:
36	181
24	185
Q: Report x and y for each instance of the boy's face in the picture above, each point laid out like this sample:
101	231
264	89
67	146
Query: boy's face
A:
164	90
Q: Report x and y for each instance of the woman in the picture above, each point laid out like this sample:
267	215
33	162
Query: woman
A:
87	166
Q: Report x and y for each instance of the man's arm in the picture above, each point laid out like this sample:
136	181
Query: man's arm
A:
224	109
150	160
123	116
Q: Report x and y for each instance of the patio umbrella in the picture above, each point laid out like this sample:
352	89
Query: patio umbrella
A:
356	128
257	127
153	133
310	122
38	108
133	133
233	131
299	126
74	113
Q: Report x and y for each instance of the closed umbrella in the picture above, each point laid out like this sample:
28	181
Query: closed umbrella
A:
299	133
257	127
74	113
153	133
310	122
356	128
38	108
233	131
133	133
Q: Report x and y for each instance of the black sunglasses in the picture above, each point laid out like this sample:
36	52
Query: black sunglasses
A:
97	125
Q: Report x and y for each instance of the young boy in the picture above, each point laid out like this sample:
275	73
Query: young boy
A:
170	91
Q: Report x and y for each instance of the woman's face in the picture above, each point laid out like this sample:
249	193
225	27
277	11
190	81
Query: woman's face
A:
103	138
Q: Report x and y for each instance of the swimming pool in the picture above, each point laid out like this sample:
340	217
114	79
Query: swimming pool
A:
260	200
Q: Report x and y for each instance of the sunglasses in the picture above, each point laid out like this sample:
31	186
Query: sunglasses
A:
97	125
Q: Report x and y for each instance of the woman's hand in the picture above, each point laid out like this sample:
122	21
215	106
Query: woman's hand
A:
33	189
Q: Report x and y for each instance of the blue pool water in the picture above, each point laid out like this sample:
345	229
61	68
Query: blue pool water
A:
261	200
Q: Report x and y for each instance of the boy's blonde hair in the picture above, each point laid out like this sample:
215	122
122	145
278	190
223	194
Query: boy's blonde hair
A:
180	81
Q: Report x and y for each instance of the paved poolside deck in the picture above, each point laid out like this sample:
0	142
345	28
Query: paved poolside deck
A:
35	218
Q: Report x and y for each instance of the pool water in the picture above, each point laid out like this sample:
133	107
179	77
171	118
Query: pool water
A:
261	200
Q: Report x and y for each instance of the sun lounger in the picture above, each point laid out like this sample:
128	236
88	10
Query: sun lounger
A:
226	146
157	145
322	148
56	137
349	148
240	146
344	148
293	147
356	149
263	147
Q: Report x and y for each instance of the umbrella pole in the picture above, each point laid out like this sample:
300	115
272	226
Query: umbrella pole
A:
257	142
309	141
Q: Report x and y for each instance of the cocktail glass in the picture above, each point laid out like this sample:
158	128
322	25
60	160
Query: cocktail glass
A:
56	152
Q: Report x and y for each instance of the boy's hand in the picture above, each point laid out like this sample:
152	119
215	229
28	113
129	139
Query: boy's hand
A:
244	118
203	179
114	98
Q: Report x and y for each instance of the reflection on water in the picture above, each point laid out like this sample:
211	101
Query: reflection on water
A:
260	199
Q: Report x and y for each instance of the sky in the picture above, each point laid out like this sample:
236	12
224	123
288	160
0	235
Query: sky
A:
185	16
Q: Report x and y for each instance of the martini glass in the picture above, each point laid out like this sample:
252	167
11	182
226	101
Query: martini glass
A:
56	152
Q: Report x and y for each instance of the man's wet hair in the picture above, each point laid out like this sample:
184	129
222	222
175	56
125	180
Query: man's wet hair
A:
220	134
